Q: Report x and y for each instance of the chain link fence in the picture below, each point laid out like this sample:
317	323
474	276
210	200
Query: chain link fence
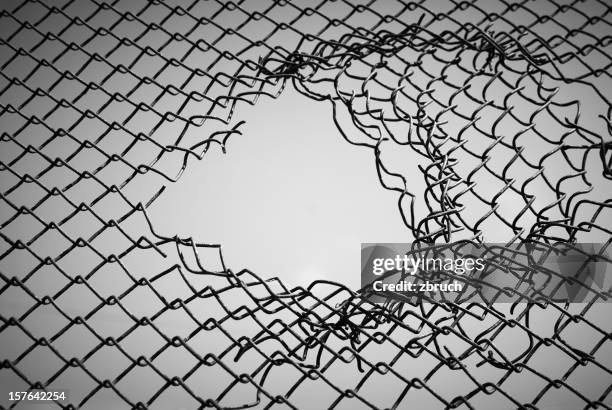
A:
104	103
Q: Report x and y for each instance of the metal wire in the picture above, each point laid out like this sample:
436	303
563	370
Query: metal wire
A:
103	103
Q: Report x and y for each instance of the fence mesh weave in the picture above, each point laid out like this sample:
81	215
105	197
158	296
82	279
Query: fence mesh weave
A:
103	103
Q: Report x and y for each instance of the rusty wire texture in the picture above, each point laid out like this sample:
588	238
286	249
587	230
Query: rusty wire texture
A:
504	102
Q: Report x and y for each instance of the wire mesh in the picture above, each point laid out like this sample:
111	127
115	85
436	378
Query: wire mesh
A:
104	103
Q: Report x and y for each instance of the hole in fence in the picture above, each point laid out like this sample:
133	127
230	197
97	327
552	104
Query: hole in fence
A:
290	198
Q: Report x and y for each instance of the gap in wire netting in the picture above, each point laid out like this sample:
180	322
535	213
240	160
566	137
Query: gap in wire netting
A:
290	198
